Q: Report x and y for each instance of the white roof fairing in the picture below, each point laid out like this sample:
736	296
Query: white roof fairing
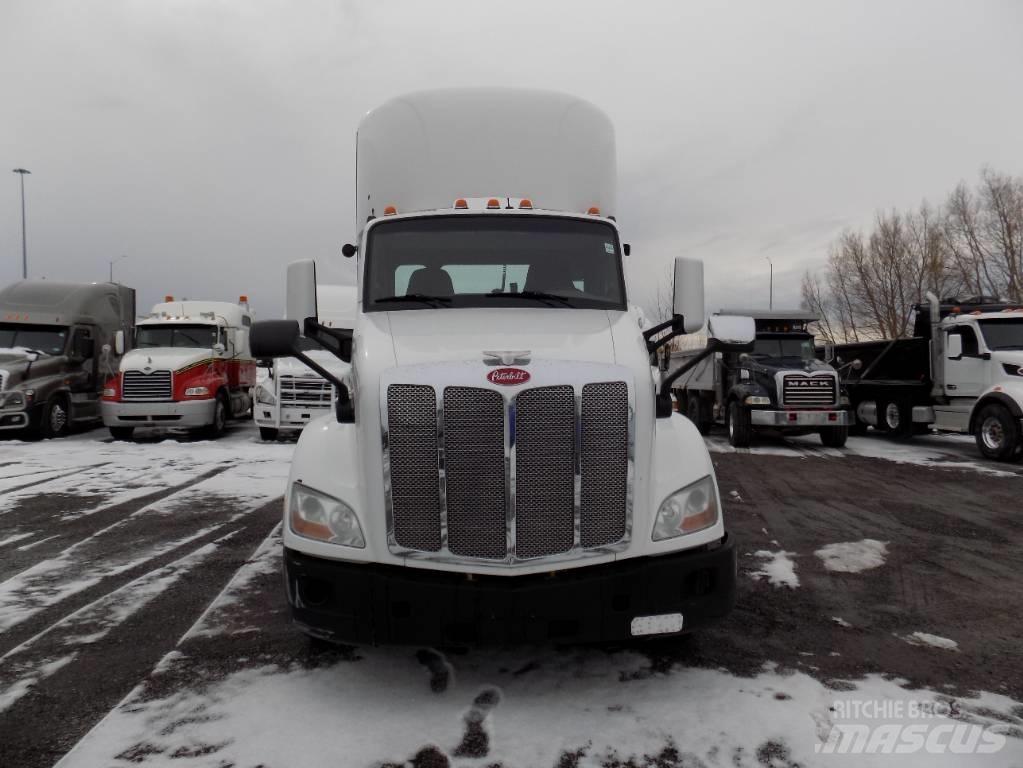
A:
423	151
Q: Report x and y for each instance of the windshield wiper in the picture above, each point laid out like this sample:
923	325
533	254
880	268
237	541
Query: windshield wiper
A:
536	295
421	297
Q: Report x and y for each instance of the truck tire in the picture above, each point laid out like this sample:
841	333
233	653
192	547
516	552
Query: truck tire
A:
834	437
267	434
56	420
896	418
740	430
695	410
997	433
122	433
220	414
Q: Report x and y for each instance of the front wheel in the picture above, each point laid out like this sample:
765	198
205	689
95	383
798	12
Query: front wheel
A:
740	429
216	428
834	437
997	433
56	418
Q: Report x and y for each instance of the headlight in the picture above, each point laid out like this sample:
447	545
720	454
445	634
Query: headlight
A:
197	391
691	509
757	400
109	392
265	396
315	515
1012	370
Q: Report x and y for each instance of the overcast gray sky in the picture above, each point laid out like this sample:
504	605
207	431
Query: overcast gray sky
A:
212	142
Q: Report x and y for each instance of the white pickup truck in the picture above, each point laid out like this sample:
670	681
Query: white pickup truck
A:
503	466
291	394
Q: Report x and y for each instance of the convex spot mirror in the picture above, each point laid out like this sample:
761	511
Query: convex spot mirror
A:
732	333
687	293
219	348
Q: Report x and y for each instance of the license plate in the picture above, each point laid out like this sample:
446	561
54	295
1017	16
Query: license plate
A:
661	624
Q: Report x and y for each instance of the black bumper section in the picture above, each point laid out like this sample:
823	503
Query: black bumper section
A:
381	604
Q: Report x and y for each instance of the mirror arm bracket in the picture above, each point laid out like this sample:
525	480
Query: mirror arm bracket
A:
338	342
675	324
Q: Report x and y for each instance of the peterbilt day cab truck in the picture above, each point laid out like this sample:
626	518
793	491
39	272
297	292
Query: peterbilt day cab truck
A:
292	394
962	371
191	369
779	385
58	343
503	466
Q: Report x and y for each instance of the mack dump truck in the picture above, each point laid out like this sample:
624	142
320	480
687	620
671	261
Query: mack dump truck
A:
58	343
962	371
292	394
191	369
780	385
502	466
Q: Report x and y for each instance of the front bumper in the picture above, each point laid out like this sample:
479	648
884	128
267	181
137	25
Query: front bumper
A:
287	417
188	413
14	419
383	604
765	418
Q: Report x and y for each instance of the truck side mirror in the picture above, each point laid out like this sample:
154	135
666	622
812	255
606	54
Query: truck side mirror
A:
687	293
954	346
273	338
119	343
219	348
731	333
301	303
829	352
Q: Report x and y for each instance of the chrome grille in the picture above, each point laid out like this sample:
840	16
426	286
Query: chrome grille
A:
415	488
155	386
811	391
487	475
308	391
474	472
544	471
604	463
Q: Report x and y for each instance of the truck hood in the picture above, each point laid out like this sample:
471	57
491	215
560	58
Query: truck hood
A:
290	366
163	358
19	367
435	335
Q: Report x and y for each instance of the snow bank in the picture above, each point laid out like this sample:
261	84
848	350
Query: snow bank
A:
923	638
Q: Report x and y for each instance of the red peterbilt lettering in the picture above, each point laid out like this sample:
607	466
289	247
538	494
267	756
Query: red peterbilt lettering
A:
509	377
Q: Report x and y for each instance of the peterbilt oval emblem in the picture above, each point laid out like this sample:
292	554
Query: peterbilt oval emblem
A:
508	377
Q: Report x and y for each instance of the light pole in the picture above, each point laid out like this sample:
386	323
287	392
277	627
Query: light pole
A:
24	248
770	299
114	261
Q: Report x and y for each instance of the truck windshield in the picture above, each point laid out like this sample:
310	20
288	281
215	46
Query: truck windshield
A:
493	261
44	339
194	336
800	347
1004	333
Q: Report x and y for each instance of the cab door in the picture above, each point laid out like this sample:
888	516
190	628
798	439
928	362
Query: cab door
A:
965	374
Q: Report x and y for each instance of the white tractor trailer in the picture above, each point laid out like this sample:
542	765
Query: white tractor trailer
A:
502	464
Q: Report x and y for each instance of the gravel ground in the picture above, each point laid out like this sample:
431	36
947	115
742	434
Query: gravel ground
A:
140	599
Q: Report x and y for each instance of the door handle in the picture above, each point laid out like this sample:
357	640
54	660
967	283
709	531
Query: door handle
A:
951	386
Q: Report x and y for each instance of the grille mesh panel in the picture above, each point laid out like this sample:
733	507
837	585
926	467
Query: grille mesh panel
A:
545	471
809	390
474	472
415	487
604	463
137	385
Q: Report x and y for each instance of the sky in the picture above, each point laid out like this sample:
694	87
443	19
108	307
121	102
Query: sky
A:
212	142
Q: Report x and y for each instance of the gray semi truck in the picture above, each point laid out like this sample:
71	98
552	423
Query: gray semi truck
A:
778	385
59	343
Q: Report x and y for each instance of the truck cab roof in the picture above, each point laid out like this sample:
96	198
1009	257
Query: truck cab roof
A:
47	302
199	312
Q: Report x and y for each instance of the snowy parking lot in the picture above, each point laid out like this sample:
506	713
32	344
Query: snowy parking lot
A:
143	622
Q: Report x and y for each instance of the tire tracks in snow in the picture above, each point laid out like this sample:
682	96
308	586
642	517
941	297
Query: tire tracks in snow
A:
57	710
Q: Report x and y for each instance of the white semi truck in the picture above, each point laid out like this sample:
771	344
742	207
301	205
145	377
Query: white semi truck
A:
292	394
191	369
503	466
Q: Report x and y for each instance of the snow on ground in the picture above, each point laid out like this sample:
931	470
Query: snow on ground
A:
923	638
19	668
599	707
936	450
777	567
853	556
